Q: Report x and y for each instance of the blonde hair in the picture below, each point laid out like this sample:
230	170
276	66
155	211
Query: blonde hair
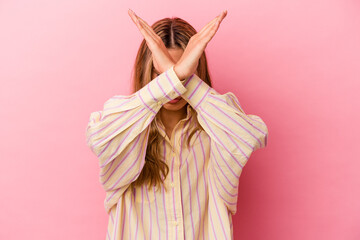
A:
175	33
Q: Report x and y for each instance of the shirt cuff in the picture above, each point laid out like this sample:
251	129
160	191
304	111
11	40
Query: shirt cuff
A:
197	90
162	89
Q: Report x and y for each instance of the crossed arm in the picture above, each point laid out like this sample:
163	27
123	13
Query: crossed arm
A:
122	127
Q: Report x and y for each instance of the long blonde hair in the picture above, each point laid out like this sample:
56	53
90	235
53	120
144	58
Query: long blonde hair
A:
175	33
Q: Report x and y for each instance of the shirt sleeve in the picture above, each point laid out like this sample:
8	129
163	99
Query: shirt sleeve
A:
118	134
234	136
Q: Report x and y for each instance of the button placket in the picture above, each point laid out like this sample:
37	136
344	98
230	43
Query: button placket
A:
175	184
172	183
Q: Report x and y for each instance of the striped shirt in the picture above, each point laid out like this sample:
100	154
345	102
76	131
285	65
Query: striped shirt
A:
201	190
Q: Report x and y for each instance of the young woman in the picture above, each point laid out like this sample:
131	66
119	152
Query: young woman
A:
171	153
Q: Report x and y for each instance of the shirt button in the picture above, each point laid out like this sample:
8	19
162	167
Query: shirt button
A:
172	184
176	223
159	102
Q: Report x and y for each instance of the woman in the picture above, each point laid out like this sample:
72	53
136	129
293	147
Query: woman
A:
171	153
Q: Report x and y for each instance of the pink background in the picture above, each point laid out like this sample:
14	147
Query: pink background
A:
294	63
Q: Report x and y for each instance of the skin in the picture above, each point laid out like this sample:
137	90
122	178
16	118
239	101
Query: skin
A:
185	62
172	113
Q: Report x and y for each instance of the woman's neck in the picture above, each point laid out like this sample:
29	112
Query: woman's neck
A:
171	118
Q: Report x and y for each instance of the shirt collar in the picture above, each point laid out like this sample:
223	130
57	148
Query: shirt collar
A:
160	125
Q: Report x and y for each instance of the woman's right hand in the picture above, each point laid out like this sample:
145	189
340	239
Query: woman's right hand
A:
188	61
161	57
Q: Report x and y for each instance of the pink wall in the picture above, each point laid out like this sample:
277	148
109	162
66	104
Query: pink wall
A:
294	63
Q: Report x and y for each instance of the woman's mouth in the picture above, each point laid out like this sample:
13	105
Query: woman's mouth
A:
175	100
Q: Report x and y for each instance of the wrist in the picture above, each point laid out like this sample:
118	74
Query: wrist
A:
178	74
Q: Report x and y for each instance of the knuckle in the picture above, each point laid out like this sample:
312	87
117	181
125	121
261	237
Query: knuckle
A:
156	44
158	41
193	38
150	44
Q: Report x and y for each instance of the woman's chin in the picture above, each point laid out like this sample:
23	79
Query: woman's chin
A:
175	106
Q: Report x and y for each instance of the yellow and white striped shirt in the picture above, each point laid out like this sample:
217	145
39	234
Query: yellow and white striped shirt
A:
203	180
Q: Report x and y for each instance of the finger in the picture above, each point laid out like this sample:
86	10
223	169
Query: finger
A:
134	18
211	23
224	13
144	24
138	21
143	29
148	38
209	32
148	28
216	21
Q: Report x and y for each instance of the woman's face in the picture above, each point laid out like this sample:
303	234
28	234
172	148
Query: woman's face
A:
175	54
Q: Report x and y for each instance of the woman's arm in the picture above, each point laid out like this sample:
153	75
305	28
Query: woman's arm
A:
234	135
118	133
